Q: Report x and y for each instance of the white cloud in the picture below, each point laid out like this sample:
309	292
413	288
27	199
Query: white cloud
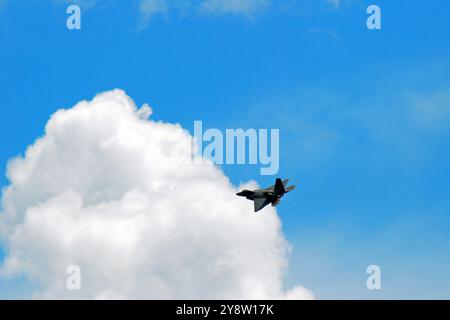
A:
113	192
246	7
149	8
249	8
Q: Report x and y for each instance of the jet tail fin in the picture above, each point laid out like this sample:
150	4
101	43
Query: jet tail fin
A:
279	187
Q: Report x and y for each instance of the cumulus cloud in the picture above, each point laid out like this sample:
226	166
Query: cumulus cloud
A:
117	194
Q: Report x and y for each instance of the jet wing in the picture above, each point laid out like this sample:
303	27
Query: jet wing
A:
260	203
290	188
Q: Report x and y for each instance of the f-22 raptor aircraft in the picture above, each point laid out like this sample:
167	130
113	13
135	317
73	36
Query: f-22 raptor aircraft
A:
272	194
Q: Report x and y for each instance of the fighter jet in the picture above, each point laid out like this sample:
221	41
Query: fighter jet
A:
263	197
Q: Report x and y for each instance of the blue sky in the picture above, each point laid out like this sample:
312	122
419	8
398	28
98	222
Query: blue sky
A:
364	116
